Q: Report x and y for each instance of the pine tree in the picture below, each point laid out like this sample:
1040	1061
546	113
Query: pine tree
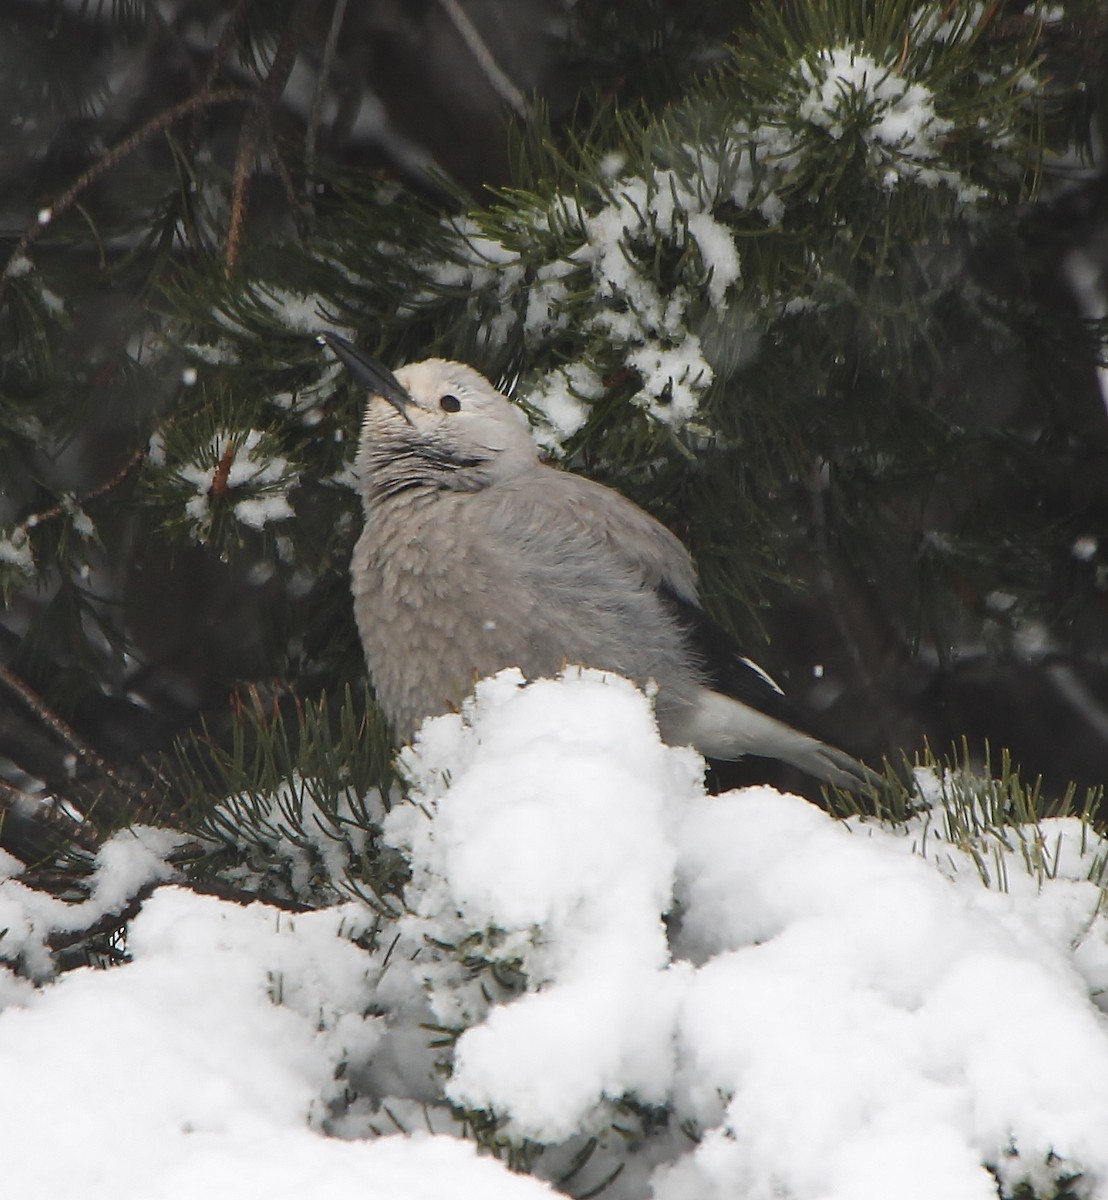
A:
819	284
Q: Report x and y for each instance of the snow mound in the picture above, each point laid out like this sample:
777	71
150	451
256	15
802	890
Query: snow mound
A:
733	995
831	1010
197	1069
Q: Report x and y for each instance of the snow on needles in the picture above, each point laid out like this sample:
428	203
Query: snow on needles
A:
832	1012
808	1008
843	88
125	863
244	465
606	250
15	549
581	918
198	1068
626	273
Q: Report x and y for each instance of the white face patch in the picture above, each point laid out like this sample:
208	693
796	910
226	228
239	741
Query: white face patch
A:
478	417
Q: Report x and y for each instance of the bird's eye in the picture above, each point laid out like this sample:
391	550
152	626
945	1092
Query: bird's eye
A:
450	404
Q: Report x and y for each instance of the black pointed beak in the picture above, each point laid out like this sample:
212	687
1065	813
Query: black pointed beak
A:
375	377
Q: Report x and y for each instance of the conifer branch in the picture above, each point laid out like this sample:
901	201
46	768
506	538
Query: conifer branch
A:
219	56
225	42
41	811
281	166
323	76
110	922
244	896
112	158
254	122
490	68
70	738
109	485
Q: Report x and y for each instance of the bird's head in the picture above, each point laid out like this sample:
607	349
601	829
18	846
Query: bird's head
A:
435	423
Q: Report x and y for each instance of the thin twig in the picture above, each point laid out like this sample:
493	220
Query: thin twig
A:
249	137
111	158
285	176
215	64
490	68
226	41
69	737
224	891
284	59
106	923
61	510
109	922
42	811
323	77
134	459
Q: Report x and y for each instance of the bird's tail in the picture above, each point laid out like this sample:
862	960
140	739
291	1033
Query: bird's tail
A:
838	768
722	727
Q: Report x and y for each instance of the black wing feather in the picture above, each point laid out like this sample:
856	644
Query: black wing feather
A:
727	670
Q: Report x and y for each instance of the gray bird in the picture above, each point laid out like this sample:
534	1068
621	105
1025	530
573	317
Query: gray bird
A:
477	556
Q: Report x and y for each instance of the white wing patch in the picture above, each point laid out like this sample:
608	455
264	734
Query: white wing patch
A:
762	674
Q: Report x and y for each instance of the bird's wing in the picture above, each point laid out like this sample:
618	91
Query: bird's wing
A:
612	523
743	711
643	545
726	669
740	710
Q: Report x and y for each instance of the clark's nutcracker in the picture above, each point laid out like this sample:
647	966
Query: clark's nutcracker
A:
476	556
